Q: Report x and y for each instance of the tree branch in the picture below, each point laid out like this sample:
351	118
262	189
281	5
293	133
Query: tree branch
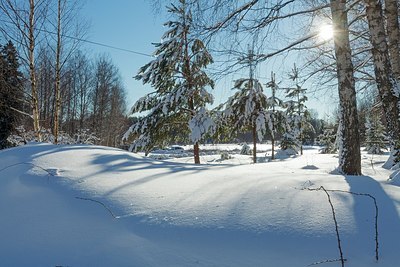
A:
102	204
356	194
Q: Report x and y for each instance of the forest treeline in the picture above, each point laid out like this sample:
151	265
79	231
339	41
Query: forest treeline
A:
93	98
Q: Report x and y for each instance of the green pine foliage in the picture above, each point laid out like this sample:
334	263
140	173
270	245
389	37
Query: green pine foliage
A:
247	107
276	107
247	110
375	135
298	118
328	140
289	142
11	92
177	105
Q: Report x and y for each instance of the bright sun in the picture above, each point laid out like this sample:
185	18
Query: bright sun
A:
325	32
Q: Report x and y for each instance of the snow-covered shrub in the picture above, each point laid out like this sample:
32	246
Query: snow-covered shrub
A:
85	136
22	137
225	155
283	154
159	156
245	150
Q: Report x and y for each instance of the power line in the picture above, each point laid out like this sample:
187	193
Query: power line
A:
92	42
108	46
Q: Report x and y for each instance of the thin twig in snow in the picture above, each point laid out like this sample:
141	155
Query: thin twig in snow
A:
376	211
342	260
26	163
102	204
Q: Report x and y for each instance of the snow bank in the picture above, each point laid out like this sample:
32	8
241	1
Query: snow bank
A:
97	206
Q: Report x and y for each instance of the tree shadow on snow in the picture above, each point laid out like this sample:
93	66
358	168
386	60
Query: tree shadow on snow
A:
364	216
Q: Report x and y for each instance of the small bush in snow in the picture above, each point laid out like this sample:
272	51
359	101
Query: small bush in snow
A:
158	156
22	137
246	150
285	153
225	155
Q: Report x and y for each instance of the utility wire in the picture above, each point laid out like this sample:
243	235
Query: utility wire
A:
110	46
92	42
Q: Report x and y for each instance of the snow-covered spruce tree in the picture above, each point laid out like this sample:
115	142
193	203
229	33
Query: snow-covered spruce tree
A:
289	143
178	78
297	115
277	121
247	109
374	135
223	130
328	140
11	93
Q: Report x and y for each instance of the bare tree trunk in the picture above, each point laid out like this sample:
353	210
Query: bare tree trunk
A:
188	77
254	130
196	149
273	88
31	55
57	81
349	154
196	152
393	33
300	123
387	85
273	146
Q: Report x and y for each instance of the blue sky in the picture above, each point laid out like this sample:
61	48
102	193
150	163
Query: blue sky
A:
126	24
132	25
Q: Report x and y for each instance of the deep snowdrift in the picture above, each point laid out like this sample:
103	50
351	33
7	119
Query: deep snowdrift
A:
97	206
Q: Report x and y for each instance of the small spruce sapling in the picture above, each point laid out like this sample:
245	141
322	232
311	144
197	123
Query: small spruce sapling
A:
297	116
247	108
276	124
375	135
328	140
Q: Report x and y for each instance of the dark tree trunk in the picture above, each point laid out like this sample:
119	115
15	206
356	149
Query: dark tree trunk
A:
196	152
349	154
273	147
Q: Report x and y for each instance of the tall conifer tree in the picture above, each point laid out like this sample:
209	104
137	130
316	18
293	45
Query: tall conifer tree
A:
179	80
11	93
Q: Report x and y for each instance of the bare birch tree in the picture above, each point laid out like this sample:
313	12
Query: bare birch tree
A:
69	30
58	70
393	33
385	80
23	24
349	150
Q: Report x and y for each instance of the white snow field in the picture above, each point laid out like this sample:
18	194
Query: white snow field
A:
97	206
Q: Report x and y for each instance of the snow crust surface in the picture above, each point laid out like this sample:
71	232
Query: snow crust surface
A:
97	206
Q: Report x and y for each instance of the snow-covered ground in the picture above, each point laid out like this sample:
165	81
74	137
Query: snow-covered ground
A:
98	206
